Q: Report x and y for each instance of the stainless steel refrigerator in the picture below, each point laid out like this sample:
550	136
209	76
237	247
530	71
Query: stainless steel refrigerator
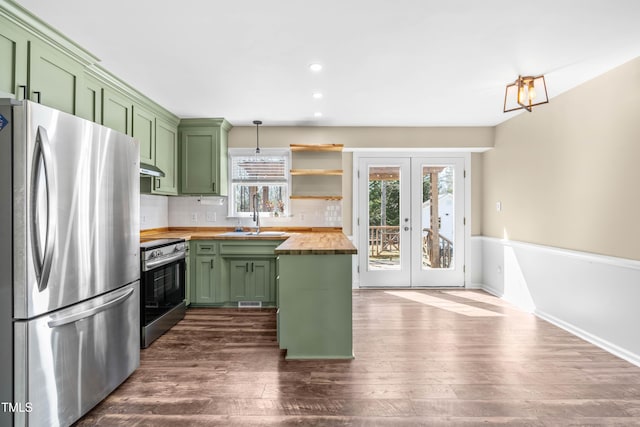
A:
69	263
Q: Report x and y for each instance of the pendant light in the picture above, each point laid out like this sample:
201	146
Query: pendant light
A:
257	123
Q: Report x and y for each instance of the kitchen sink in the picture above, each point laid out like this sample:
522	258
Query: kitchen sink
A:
254	234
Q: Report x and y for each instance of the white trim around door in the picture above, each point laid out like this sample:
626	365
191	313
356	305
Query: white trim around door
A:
399	258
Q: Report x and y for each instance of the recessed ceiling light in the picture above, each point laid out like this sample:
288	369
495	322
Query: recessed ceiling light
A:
317	95
315	67
317	114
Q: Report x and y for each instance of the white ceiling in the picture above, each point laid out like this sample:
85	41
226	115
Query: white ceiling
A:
386	63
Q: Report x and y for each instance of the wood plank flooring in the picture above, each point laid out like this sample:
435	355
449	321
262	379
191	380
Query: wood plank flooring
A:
431	358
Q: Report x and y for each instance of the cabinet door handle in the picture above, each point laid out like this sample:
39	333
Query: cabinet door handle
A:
246	268
213	186
37	93
157	184
24	91
252	267
211	264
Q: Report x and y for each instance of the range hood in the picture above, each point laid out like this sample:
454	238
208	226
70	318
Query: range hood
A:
150	170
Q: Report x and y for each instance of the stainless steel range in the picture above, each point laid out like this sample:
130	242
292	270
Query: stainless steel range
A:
162	282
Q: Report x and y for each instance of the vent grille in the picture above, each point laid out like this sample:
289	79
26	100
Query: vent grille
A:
249	304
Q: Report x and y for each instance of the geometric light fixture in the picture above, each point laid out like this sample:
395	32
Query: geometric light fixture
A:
525	92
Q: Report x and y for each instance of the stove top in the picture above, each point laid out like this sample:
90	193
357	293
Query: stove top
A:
159	243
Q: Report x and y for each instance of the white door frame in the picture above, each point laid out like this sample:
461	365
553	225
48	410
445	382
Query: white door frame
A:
435	153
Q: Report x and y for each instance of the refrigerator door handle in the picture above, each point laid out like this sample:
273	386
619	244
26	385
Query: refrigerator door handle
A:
43	263
90	312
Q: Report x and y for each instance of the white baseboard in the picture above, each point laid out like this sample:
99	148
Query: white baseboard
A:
592	296
603	344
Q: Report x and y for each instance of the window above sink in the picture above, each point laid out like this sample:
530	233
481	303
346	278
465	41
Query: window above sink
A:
266	174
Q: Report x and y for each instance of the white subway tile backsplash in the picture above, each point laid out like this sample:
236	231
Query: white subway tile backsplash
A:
154	211
163	211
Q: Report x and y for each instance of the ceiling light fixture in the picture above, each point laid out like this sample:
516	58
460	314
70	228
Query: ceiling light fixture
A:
315	67
257	123
317	95
525	92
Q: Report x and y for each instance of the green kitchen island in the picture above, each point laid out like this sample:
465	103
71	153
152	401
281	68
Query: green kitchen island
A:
314	296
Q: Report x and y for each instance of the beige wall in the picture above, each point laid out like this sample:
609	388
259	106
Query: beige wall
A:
401	138
568	173
364	137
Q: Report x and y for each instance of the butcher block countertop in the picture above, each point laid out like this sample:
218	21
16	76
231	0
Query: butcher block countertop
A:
316	244
296	241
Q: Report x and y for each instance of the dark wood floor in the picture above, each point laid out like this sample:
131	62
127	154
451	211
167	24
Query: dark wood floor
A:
422	358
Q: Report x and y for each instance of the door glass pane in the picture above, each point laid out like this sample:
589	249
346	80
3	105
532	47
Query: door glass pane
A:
384	218
437	217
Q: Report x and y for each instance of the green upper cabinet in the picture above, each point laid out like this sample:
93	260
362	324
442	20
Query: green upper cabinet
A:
90	99
144	130
40	64
166	157
117	111
13	61
53	77
203	156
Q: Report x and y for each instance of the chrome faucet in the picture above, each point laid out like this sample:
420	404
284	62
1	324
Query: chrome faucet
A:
256	211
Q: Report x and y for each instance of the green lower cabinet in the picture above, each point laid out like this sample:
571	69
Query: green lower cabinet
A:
205	280
225	272
250	280
314	306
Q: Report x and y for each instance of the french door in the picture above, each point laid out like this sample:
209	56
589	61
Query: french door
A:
411	221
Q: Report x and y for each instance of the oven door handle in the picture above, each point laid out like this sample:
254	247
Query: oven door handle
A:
162	261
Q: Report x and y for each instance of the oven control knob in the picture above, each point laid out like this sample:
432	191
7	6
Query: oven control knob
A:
178	248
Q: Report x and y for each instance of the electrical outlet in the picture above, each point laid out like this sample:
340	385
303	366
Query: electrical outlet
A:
211	216
143	219
194	217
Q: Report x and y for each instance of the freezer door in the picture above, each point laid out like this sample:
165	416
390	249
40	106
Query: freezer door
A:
75	210
69	361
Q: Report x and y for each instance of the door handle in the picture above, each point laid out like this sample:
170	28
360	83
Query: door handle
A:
42	264
90	312
24	91
37	94
252	267
246	267
211	263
